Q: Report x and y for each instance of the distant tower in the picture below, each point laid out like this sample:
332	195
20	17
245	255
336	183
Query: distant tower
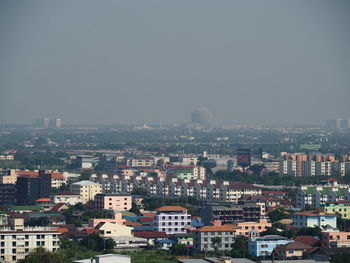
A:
46	123
58	123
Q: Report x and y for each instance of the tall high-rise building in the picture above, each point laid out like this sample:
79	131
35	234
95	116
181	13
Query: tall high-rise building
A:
46	123
58	123
30	188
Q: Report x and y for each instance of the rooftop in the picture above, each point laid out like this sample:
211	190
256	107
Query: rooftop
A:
171	208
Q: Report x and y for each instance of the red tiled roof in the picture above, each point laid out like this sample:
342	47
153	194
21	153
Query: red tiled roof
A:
149	214
313	213
61	230
57	176
91	230
308	240
43	200
171	208
150	234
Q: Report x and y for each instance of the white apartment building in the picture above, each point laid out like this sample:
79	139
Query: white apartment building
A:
17	241
172	220
208	190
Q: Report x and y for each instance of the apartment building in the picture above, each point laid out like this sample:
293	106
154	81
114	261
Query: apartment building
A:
86	189
229	213
17	241
315	196
264	246
115	202
203	238
301	164
314	218
206	190
341	208
172	220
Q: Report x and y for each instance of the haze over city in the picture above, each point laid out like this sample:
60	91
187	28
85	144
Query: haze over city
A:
123	62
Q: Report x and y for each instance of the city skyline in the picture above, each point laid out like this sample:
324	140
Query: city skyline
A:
124	63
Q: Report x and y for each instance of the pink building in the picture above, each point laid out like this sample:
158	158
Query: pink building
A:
116	202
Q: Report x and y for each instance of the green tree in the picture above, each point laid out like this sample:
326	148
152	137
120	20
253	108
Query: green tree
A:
216	242
239	248
40	255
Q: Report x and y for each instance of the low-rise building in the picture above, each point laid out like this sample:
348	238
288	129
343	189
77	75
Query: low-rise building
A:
118	220
115	202
342	208
314	218
246	228
172	220
264	246
66	198
203	237
335	239
292	250
108	229
86	189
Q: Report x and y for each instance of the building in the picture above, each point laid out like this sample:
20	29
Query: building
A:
108	229
247	228
203	237
315	196
66	198
17	241
115	202
85	162
57	180
8	177
172	220
292	250
86	189
141	162
341	208
117	219
229	213
264	246
301	164
106	258
314	218
335	239
7	194
30	188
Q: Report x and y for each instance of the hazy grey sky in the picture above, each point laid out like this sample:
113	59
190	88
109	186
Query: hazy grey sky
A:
145	61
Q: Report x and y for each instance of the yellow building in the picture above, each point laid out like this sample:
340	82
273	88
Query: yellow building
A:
86	189
341	208
108	229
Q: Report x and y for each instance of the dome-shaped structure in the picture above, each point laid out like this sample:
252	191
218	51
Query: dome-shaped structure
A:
202	116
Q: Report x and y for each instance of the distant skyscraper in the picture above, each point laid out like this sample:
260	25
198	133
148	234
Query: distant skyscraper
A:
58	123
338	124
46	123
243	157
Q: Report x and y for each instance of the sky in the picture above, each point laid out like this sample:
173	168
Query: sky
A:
137	62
